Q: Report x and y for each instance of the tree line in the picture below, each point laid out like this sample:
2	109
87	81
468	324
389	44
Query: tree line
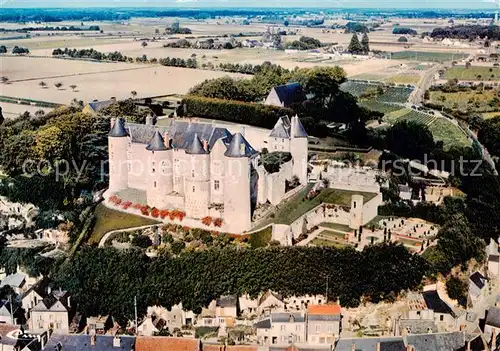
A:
106	280
467	32
51	29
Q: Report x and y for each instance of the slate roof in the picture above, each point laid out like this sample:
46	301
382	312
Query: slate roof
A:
157	143
263	324
82	343
435	303
226	301
285	317
180	133
195	146
493	317
494	258
57	301
40	288
118	130
417	326
97	105
298	129
281	128
15	280
239	147
437	342
147	343
268	294
290	93
478	279
370	344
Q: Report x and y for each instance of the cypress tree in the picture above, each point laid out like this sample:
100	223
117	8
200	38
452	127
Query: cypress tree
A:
355	46
365	43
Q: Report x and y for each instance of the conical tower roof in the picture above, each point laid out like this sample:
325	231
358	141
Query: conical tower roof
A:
239	147
298	130
157	143
118	130
195	147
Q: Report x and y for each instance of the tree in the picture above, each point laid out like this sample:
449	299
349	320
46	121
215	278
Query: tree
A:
457	290
133	93
410	139
5	79
42	84
144	44
355	46
73	87
3	49
58	85
177	246
286	23
365	43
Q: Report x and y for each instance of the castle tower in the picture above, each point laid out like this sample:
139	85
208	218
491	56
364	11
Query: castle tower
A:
197	178
159	173
237	188
356	213
299	149
118	148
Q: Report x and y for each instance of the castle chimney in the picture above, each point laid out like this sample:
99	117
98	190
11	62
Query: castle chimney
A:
92	340
378	346
205	145
353	347
149	120
112	122
116	341
113	99
494	339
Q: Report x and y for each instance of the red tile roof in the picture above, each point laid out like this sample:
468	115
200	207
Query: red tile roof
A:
160	343
216	347
331	309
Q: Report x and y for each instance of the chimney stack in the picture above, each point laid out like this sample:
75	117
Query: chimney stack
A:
113	99
494	339
166	140
92	340
116	341
378	346
205	145
149	120
112	122
353	347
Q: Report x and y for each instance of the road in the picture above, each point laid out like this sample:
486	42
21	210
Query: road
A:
417	97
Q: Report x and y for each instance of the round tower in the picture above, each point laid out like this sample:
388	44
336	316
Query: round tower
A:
197	179
118	147
356	213
159	174
299	149
237	185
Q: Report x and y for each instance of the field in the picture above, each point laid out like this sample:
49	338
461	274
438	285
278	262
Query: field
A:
479	101
427	56
447	132
403	79
419	117
473	73
108	220
95	80
390	95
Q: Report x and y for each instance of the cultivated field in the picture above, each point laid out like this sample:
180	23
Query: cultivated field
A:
428	56
95	80
473	73
479	101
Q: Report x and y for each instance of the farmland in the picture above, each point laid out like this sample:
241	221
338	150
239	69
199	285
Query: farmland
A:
390	95
427	56
473	100
473	73
447	132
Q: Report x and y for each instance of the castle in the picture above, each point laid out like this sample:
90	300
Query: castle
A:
203	169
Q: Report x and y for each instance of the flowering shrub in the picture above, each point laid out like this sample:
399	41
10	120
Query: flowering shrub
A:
115	200
218	222
207	221
155	213
164	214
145	210
126	205
137	206
176	214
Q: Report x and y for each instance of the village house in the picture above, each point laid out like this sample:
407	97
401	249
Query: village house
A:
282	328
12	338
429	306
16	281
59	342
54	313
31	297
269	302
93	107
220	312
323	323
286	95
478	287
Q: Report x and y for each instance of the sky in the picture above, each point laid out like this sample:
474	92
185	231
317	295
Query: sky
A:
421	4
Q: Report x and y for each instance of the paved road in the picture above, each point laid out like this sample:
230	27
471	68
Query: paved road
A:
417	97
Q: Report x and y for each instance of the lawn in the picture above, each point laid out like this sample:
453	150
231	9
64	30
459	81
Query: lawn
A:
329	243
427	56
403	79
298	205
336	226
393	116
473	73
332	235
108	220
261	238
444	130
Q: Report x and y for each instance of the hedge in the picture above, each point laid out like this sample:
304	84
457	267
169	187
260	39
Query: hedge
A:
234	111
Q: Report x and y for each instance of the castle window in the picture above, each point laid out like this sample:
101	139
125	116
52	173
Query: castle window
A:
192	173
193	189
354	204
155	184
282	140
153	170
216	185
